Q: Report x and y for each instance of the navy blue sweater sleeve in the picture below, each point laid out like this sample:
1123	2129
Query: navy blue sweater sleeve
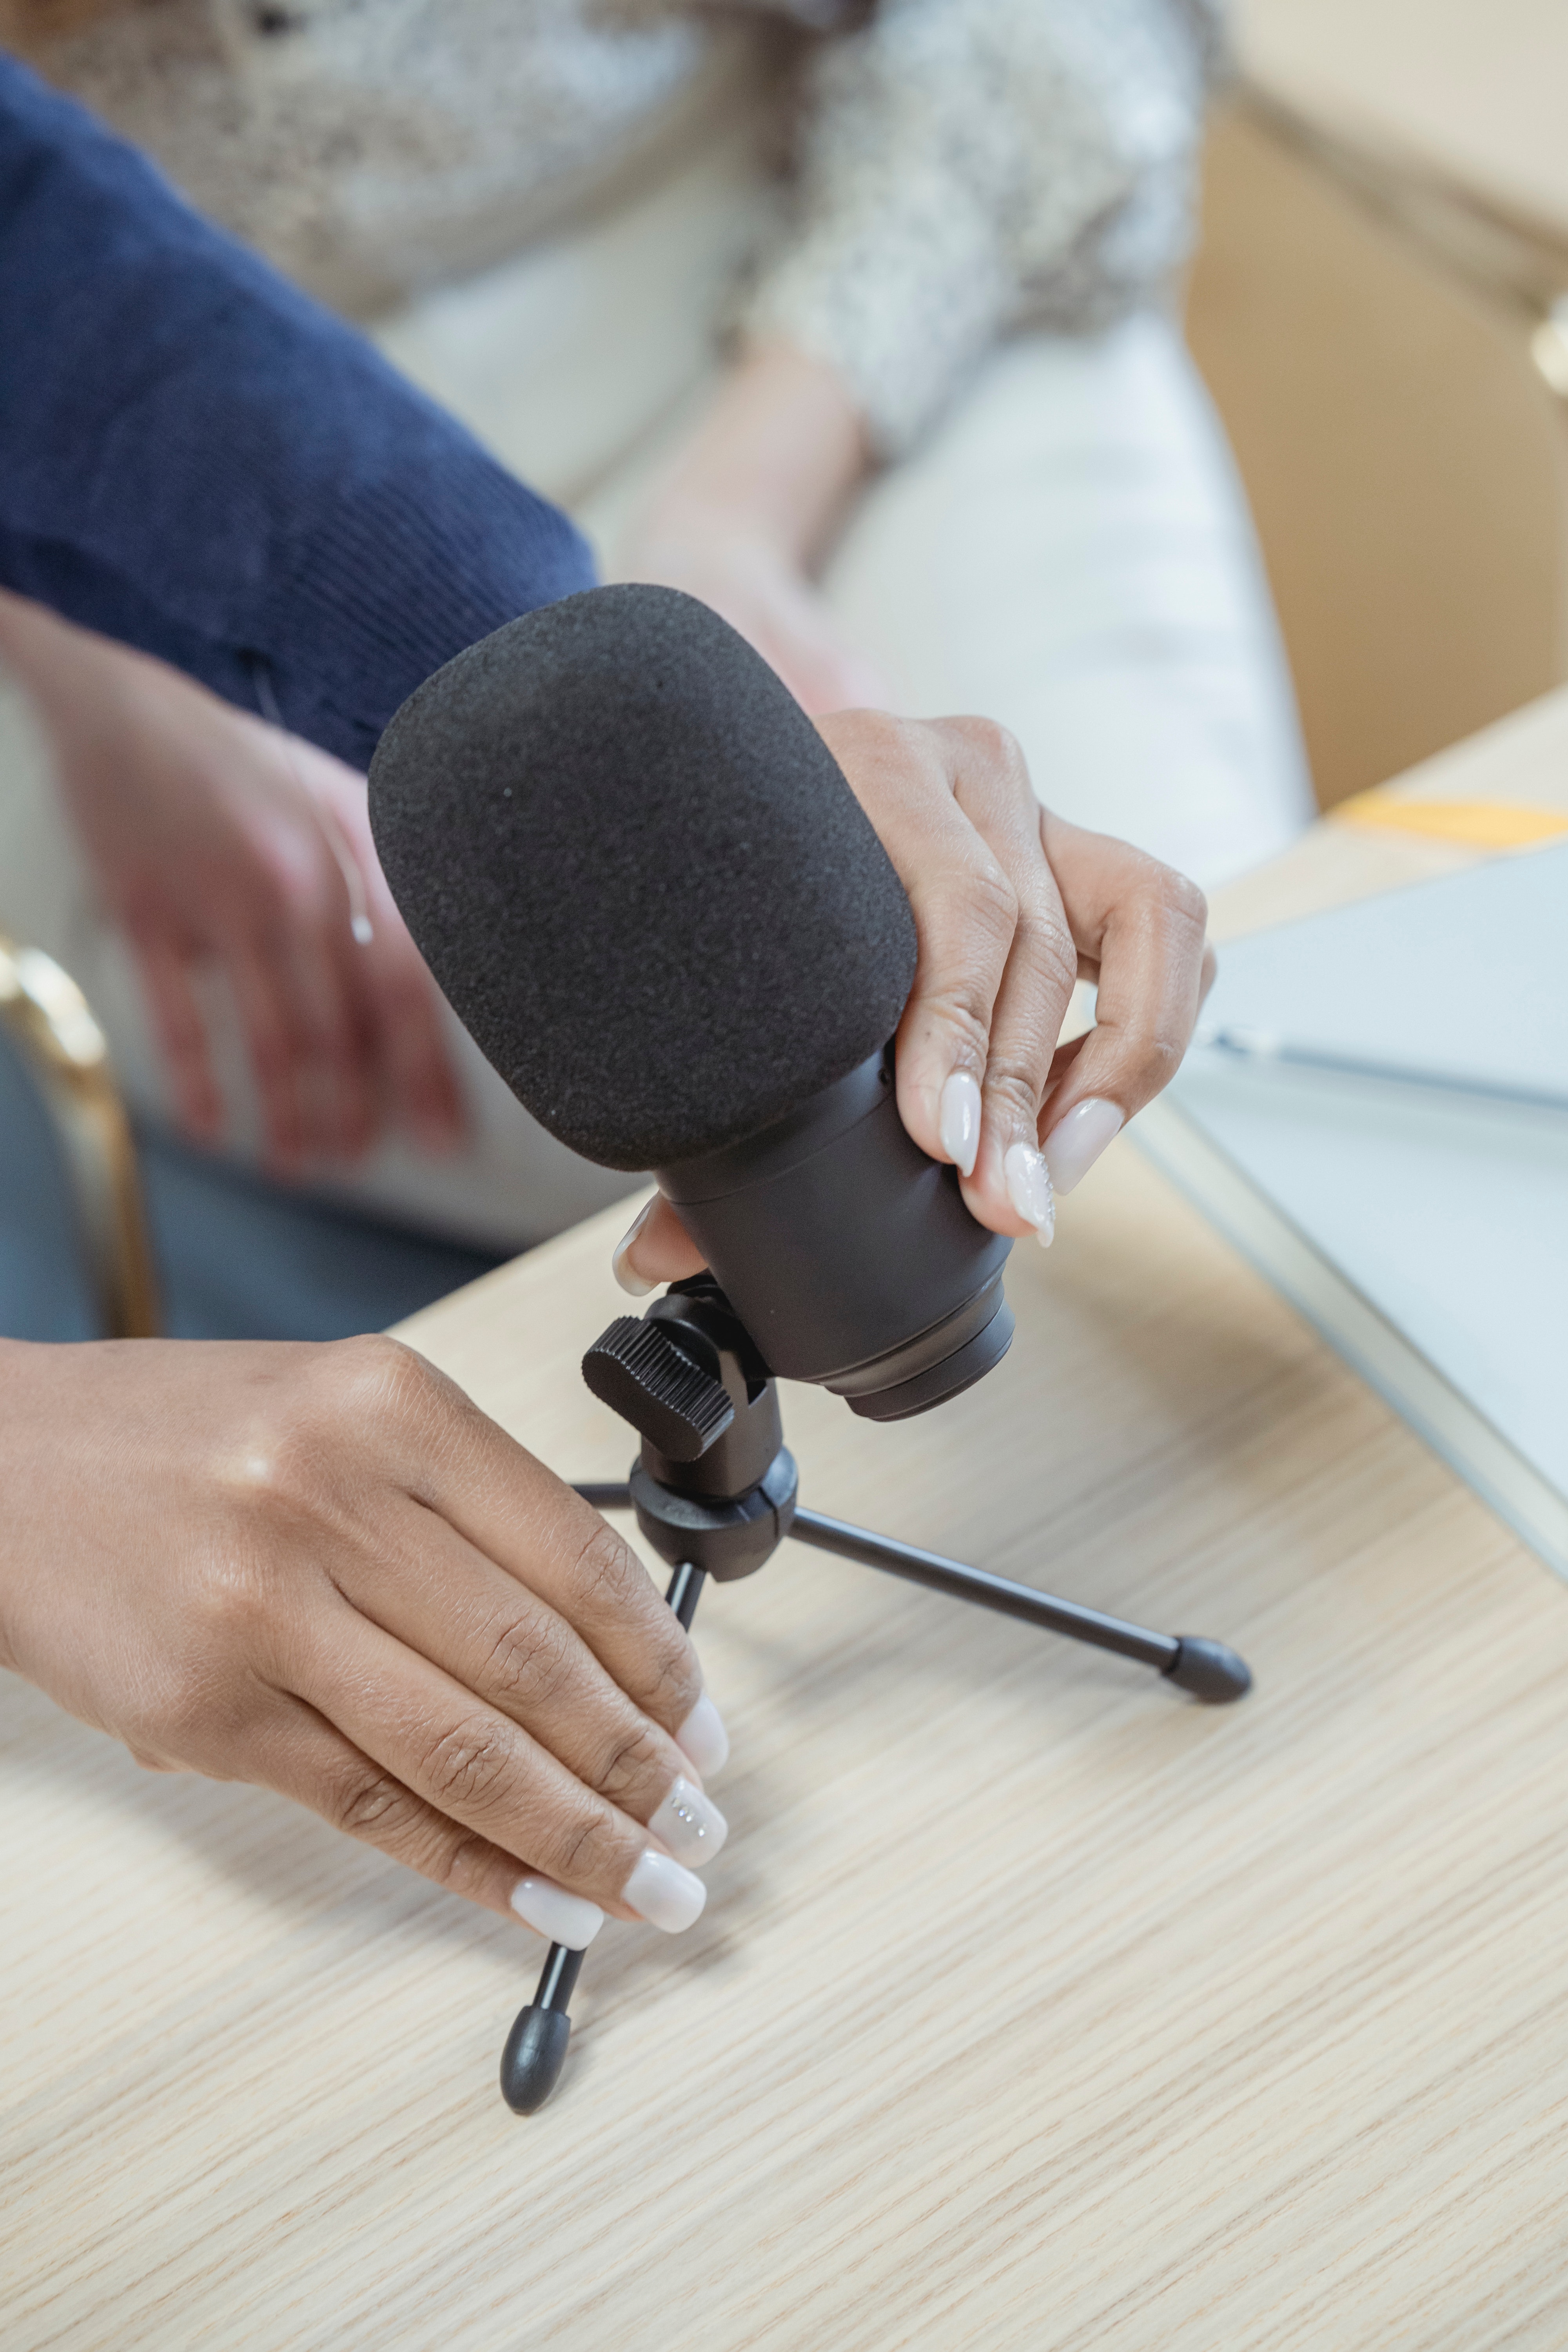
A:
198	460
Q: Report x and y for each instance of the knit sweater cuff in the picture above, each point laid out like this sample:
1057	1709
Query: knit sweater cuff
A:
966	167
899	311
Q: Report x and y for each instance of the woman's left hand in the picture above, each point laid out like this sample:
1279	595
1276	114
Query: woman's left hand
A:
1012	905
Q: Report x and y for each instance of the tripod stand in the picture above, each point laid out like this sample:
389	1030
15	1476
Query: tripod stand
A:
714	1489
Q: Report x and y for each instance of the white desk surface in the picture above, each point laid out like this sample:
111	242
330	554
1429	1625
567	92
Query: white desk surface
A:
1034	2006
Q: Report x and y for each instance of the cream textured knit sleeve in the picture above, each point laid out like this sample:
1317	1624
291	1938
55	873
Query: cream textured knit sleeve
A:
967	166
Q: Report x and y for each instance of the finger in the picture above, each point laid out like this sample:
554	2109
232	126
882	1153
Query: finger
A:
1009	1191
1140	929
478	1769
548	1538
445	1455
655	1247
318	959
962	899
438	1597
302	1755
288	1006
339	1075
182	1033
952	803
264	1000
402	1003
410	1043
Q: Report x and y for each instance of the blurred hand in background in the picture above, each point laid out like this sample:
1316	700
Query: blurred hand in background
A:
749	507
217	841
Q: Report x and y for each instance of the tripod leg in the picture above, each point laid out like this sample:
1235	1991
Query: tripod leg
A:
536	2047
1191	1662
606	1494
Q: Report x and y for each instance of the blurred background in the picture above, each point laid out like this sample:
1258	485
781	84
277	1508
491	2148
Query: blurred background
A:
1377	303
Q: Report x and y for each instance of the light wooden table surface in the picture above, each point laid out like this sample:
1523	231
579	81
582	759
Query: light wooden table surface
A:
1034	2007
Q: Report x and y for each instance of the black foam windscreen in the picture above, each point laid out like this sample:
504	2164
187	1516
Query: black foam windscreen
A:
640	876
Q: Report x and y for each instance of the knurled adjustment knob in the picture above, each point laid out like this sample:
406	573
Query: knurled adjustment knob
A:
637	1369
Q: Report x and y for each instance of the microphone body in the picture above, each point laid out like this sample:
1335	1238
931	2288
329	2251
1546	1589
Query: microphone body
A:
848	1255
650	896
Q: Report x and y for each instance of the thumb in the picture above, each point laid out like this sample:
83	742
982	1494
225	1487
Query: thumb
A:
654	1248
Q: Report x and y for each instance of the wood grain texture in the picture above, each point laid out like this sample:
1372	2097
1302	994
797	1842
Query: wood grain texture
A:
1035	2007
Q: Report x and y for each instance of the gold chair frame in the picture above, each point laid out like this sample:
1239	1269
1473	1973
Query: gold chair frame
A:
53	1027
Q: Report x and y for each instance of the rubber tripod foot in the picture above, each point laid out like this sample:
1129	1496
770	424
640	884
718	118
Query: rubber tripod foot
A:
534	2054
1209	1670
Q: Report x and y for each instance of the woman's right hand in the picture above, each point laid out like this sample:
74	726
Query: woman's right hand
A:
1011	905
322	1569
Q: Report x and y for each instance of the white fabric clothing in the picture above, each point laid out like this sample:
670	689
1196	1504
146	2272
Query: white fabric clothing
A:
950	170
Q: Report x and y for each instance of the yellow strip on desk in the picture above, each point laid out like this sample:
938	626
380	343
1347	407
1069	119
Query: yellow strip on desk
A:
1482	824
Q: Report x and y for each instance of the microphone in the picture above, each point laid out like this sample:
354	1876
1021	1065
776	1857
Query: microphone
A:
645	886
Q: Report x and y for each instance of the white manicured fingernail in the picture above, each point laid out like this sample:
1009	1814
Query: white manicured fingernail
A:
690	1825
630	1280
704	1737
958	1120
1029	1189
663	1893
1075	1144
560	1917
